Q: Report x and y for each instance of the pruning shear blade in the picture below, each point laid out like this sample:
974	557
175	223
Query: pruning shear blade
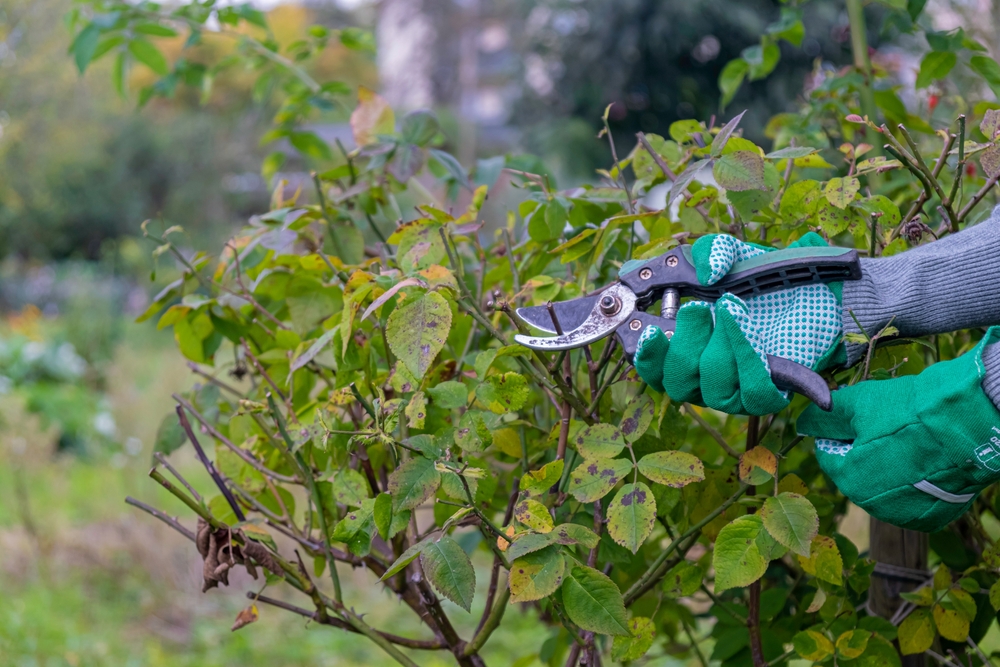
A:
609	310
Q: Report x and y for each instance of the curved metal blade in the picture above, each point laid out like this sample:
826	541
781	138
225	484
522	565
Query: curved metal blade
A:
571	314
596	326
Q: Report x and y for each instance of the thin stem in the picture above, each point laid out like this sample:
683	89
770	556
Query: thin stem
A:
492	623
209	466
162	516
180	478
690	634
316	497
978	197
214	380
420	645
239	451
689	410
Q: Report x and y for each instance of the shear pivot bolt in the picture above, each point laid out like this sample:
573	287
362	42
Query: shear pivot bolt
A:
635	325
610	305
671	261
645	274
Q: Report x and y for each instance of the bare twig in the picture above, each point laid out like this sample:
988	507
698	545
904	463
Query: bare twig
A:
209	466
162	516
689	410
180	478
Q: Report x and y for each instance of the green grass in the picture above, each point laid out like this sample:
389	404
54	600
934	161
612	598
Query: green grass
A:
87	581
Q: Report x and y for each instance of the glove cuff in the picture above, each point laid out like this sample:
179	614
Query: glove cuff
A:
991	380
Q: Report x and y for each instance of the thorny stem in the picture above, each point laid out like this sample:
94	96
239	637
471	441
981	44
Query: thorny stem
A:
317	499
938	166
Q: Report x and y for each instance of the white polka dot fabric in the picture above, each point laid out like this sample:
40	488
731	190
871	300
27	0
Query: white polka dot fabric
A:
726	251
835	447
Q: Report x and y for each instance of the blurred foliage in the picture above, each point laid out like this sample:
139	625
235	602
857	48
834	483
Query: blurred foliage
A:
78	166
56	384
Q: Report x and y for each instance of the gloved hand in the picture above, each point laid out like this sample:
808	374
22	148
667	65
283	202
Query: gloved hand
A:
717	356
913	451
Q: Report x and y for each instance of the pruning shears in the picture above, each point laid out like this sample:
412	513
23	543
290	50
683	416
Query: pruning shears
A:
619	309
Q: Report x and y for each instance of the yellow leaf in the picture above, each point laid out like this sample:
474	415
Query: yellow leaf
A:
942	578
372	116
951	624
853	643
824	561
757	458
792	483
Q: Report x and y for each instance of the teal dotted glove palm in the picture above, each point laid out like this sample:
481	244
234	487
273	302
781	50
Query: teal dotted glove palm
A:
717	356
913	451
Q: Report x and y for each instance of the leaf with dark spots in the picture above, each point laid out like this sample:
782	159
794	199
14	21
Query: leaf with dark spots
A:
592	480
637	418
600	441
631	516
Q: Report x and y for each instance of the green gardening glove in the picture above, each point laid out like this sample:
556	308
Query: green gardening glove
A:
913	451
717	356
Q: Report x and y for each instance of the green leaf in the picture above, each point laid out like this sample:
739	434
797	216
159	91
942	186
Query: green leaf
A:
791	520
472	434
84	46
419	127
358	39
449	395
812	645
740	171
964	604
416	410
731	78
538	482
154	29
800	201
637	417
987	68
405	559
720	140
995	596
682	580
594	603
643	632
685	179
169	435
503	393
382	515
935	66
565	534
536	575
451	165
769	548
672	468
631	516
762	58
841	191
534	515
790	152
831	219
824	561
852	643
417	330
736	559
412	483
449	569
599	441
355	521
594	479
149	56
916	632
887	212
349	487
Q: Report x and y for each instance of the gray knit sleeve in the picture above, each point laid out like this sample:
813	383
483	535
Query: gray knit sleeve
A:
991	382
939	287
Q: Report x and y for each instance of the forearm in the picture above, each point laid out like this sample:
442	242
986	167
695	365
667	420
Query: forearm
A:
943	286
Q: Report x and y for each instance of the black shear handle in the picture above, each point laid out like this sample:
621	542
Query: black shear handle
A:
787	375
